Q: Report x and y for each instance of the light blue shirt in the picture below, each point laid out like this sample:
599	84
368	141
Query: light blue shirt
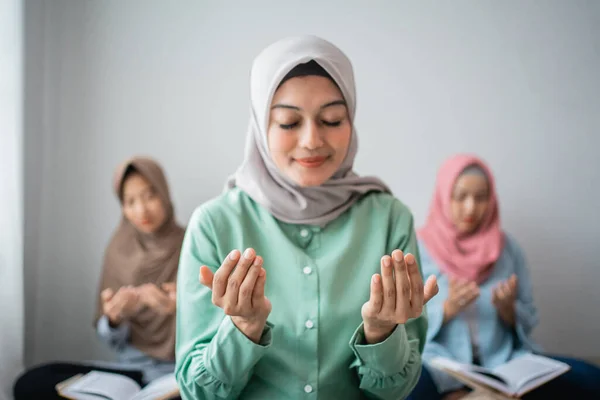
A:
128	357
496	342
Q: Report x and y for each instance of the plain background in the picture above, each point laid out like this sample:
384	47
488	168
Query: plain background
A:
513	81
11	194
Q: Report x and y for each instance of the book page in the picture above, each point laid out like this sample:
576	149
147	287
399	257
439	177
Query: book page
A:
479	374
530	370
162	388
102	384
521	370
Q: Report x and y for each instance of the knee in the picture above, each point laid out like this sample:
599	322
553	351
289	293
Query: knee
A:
581	367
22	388
27	385
425	388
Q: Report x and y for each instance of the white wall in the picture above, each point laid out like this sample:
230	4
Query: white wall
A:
11	194
516	82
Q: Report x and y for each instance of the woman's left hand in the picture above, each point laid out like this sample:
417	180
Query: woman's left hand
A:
504	297
397	295
162	300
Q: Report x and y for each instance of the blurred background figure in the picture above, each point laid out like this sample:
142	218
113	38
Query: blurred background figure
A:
137	294
484	313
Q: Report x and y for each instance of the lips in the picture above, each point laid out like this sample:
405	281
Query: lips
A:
311	162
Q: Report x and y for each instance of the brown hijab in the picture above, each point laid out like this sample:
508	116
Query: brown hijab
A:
134	258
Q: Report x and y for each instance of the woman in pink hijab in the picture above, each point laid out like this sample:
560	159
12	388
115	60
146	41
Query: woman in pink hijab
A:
484	312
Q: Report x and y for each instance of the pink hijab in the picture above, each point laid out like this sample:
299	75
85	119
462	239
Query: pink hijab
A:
471	256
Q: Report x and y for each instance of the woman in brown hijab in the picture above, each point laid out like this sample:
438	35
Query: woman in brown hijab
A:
135	315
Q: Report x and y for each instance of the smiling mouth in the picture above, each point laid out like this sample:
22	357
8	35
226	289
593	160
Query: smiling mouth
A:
311	162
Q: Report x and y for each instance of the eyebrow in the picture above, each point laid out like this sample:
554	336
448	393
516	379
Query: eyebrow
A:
460	189
330	104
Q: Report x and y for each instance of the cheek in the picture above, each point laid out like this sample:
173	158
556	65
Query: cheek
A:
281	143
340	139
157	210
483	208
129	213
456	210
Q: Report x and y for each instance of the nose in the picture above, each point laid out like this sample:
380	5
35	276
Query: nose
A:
141	209
469	205
311	136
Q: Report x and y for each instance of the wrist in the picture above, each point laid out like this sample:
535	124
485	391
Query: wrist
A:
252	329
450	311
508	314
374	335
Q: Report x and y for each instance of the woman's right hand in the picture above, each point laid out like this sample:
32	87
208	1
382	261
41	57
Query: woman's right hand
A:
460	295
121	305
238	287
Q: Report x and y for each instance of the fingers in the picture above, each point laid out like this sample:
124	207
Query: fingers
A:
258	296
431	288
416	285
472	295
389	286
460	284
169	286
498	294
466	294
156	298
504	290
458	289
495	293
113	312
376	299
131	299
219	284
451	283
119	296
512	283
171	289
237	277
466	291
172	294
206	276
247	287
107	294
117	303
496	298
501	294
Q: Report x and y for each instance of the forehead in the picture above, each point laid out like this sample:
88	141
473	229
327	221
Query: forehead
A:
307	92
135	183
471	182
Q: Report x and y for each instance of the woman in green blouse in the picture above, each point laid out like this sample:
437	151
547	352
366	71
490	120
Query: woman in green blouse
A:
302	279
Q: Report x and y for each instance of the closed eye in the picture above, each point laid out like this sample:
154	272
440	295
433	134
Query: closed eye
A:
332	124
288	126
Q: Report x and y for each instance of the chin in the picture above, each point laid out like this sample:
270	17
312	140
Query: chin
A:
308	181
146	229
467	228
310	178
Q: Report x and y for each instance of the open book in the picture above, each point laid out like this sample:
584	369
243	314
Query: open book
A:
514	378
97	385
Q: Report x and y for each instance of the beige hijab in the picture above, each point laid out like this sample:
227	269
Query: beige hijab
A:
134	258
259	177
